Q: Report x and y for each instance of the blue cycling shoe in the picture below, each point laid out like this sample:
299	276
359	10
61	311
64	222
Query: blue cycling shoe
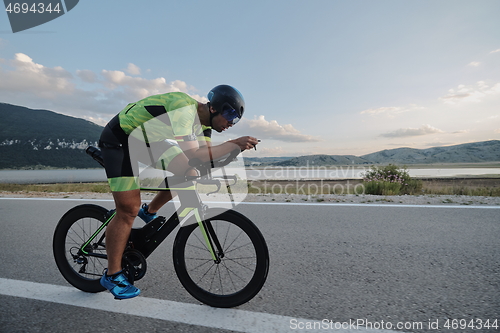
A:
119	286
145	215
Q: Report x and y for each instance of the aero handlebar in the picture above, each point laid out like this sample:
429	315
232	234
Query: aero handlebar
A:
203	167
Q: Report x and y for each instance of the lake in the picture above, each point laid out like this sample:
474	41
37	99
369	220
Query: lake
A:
349	172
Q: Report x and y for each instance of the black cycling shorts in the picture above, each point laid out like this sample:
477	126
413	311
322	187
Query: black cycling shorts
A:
122	153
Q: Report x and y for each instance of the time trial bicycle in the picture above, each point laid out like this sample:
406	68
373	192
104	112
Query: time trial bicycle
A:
219	255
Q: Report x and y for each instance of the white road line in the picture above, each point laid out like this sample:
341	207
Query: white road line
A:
366	205
192	314
56	199
287	203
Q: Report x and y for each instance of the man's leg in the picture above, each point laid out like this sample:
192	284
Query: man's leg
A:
177	166
118	230
161	198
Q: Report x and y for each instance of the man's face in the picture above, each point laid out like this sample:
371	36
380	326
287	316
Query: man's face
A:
220	124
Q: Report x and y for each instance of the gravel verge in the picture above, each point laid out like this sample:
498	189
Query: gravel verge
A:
295	198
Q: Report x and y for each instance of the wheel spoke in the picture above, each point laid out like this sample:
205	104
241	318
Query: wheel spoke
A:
77	235
235	277
234	273
239	247
234	240
72	232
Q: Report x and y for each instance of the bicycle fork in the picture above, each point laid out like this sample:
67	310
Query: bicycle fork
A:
211	240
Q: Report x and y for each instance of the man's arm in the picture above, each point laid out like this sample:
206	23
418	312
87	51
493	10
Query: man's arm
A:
192	149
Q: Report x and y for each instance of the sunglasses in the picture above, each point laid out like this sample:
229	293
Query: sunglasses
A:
230	114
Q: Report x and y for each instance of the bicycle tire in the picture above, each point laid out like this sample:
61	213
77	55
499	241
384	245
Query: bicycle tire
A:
245	250
72	231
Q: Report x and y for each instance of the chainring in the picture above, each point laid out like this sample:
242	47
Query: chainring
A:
134	265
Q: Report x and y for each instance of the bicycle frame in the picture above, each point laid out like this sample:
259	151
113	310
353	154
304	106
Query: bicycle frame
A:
150	236
219	255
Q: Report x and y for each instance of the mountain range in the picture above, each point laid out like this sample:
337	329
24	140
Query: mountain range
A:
40	138
476	152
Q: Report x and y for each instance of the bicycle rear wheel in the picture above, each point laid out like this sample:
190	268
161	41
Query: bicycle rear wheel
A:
241	271
82	270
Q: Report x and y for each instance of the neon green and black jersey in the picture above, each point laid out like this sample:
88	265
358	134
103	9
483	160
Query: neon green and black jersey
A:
152	120
166	116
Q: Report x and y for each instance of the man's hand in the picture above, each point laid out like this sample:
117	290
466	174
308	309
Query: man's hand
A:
245	142
209	152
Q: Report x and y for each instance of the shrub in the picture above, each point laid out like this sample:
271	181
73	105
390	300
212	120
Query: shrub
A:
390	180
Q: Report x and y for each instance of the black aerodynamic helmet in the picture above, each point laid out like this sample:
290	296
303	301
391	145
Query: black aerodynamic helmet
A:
227	101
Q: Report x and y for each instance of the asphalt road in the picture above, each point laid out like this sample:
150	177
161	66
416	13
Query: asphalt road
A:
339	263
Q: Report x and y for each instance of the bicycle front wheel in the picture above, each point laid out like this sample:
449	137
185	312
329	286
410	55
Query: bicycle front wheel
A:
82	269
241	269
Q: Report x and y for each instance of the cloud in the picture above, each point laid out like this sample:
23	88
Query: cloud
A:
474	64
133	69
384	110
263	129
136	87
273	151
407	132
129	88
87	76
36	79
87	94
495	51
97	120
439	144
391	112
471	93
461	131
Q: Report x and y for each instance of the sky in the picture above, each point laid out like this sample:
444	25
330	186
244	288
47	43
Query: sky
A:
318	76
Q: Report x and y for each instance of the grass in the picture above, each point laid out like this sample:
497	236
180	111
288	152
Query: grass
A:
463	190
390	180
483	187
305	187
488	187
479	187
54	188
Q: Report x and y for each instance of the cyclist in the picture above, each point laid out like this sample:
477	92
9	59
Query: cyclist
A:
140	132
